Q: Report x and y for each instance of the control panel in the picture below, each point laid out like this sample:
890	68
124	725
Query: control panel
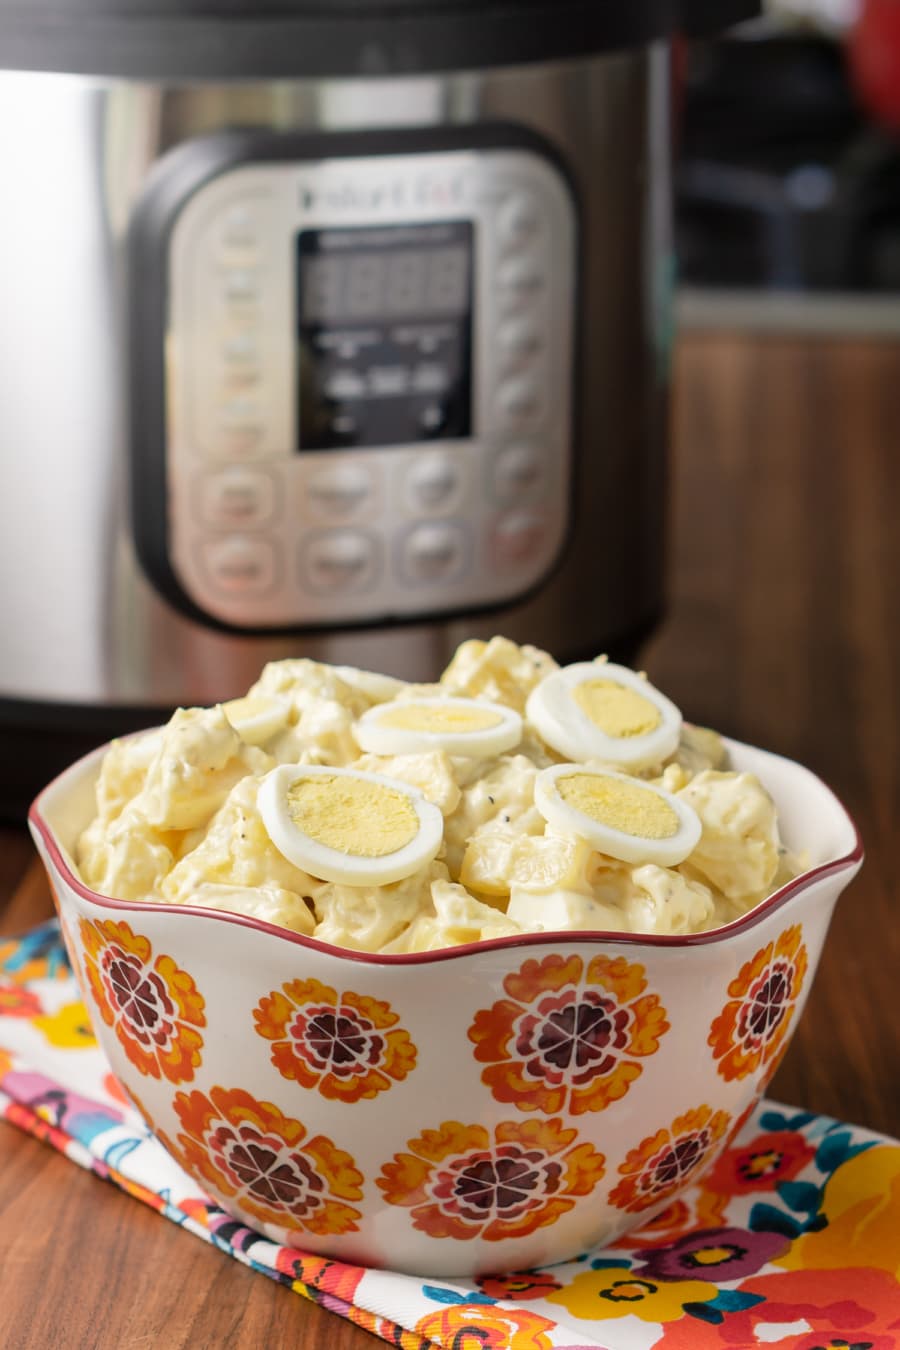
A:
368	369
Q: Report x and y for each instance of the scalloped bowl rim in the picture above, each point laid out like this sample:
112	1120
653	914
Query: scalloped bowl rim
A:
849	859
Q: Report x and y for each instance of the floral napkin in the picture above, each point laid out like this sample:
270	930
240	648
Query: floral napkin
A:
791	1240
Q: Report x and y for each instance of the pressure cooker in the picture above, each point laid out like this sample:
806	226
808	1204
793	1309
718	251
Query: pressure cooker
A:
333	328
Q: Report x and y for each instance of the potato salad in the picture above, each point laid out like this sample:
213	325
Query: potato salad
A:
513	796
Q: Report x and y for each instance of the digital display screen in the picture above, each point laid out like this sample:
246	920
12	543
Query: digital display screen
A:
384	334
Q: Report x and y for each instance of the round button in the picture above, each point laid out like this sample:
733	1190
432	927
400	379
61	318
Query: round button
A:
236	498
340	489
339	561
518	473
520	281
240	411
435	553
241	348
242	285
435	483
520	402
240	565
520	339
519	220
239	229
518	539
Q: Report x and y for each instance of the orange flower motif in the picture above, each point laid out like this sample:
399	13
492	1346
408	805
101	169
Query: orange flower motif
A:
665	1161
247	1151
751	1029
346	1046
475	1326
461	1182
568	1035
154	1008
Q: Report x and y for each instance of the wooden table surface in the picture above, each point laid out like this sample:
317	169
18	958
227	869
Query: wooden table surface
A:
783	630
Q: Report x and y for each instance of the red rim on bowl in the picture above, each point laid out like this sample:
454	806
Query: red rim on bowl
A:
776	900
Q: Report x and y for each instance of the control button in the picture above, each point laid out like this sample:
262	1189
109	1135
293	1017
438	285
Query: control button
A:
241	348
344	560
239	229
435	483
237	497
518	538
519	220
520	339
520	281
340	489
242	285
240	411
240	565
520	402
435	552
518	473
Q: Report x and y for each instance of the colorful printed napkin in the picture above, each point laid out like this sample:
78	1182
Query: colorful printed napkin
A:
791	1241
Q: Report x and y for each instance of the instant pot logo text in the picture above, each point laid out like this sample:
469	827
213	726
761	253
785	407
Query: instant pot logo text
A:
421	190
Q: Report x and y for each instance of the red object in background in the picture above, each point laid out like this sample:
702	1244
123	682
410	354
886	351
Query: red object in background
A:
874	53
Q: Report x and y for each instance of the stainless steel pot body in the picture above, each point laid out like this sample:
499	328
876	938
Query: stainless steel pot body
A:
82	627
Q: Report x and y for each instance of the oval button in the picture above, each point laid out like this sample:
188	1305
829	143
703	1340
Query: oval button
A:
237	497
239	565
435	483
339	561
341	489
518	539
435	553
518	473
520	402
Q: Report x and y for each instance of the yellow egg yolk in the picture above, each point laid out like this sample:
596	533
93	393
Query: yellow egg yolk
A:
615	709
626	807
353	816
452	719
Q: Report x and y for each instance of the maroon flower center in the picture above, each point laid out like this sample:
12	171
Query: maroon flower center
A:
676	1162
140	996
337	1040
581	1038
505	1183
265	1171
766	1007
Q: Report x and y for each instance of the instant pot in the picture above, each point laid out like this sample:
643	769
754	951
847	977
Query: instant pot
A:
334	328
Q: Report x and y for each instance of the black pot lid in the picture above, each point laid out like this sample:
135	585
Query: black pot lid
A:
228	39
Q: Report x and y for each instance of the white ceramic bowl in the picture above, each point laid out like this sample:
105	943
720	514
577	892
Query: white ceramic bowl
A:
479	1109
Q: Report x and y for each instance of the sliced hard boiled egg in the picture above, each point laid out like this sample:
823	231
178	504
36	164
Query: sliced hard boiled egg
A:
362	829
618	815
595	710
458	726
256	717
378	688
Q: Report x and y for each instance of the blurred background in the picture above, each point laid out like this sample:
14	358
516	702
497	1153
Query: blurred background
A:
789	179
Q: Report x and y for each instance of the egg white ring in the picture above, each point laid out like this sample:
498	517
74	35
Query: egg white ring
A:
483	743
558	720
379	688
260	726
630	848
330	864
